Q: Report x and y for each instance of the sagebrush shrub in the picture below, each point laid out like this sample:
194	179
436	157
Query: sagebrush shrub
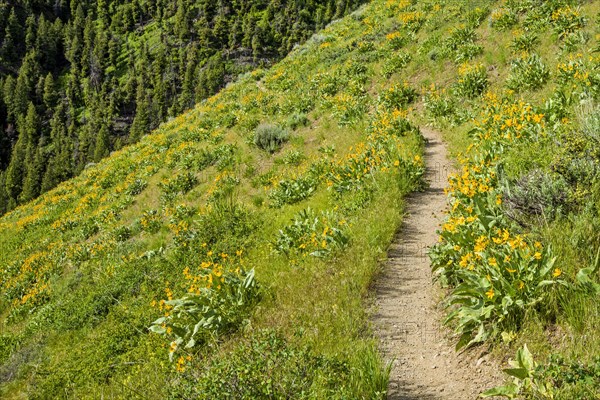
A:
297	120
589	120
536	194
270	137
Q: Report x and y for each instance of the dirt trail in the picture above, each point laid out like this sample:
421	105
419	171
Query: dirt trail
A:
407	322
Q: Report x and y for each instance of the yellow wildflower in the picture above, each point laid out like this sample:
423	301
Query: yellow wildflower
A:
557	272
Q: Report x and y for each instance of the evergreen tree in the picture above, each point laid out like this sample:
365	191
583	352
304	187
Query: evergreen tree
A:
26	82
48	41
211	77
102	147
4	199
102	142
16	171
8	93
187	90
68	54
33	164
60	162
50	95
4	149
12	39
141	122
33	178
30	33
182	28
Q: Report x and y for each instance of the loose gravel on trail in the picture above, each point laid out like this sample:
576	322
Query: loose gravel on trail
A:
407	318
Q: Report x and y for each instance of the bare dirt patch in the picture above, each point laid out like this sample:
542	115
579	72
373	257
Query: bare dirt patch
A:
407	319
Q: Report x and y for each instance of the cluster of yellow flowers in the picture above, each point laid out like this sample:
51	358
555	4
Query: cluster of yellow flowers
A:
397	4
393	36
479	247
498	14
574	71
507	121
30	280
412	19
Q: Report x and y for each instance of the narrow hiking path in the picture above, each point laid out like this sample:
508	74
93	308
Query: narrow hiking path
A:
407	320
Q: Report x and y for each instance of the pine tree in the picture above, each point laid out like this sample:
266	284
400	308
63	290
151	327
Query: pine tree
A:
220	31
130	89
4	149
12	39
50	96
16	171
340	9
89	35
60	162
187	90
74	37
102	148
211	77
102	145
182	28
30	33
34	159
33	178
4	199
49	36
236	34
102	14
141	122
26	82
84	140
8	94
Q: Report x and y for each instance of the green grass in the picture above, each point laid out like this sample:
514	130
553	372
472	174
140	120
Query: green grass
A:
563	326
82	271
84	330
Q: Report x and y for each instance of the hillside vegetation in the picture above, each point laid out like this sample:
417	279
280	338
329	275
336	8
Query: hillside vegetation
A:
79	79
229	253
256	214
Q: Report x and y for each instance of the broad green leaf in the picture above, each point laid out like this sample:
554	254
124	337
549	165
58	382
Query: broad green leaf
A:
511	390
157	329
520	373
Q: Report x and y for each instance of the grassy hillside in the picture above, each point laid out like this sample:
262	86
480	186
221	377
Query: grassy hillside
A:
80	79
250	228
519	250
257	213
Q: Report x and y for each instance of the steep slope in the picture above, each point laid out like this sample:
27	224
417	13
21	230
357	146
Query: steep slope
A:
250	229
79	79
245	213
